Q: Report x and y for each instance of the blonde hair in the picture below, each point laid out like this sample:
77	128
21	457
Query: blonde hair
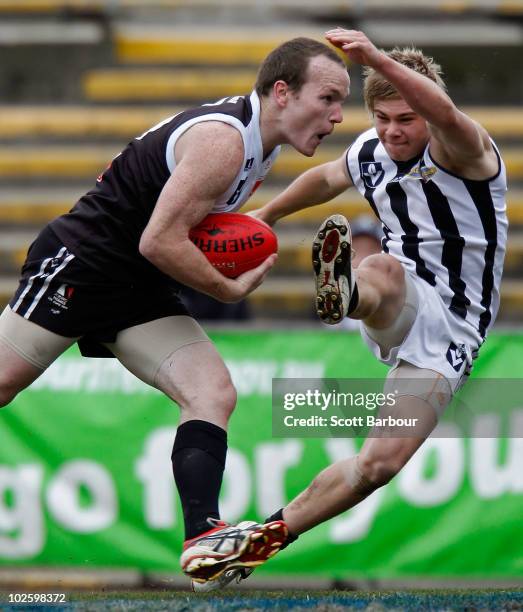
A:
376	86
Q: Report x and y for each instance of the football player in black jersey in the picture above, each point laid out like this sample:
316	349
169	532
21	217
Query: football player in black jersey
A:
105	274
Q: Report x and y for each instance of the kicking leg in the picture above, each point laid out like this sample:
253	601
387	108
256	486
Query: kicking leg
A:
375	292
423	394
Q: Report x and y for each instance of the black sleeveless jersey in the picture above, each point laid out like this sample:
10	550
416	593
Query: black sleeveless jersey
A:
104	228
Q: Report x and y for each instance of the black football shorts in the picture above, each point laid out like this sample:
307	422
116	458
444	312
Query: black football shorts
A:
65	296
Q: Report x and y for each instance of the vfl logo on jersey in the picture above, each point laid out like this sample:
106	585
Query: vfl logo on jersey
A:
456	355
419	172
372	173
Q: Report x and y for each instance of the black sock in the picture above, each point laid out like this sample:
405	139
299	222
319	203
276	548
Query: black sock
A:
278	516
198	461
354	299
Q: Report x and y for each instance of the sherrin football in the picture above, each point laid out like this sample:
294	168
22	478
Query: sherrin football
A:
233	242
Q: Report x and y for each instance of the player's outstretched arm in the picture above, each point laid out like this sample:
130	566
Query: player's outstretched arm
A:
316	186
208	158
457	141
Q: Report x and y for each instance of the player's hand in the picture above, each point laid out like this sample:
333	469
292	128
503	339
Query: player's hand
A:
356	46
261	215
240	287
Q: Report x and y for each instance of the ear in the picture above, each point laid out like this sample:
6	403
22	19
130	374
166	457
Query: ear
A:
280	90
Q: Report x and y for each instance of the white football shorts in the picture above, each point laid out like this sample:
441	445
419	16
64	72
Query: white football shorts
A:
438	339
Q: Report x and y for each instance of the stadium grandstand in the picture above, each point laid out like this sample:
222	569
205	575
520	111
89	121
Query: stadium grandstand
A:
106	71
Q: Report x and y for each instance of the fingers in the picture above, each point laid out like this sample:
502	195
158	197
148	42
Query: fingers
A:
258	214
355	45
255	277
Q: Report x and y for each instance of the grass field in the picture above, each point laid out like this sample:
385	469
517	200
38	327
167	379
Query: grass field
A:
253	601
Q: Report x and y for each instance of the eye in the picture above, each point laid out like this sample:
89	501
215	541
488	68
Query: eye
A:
328	98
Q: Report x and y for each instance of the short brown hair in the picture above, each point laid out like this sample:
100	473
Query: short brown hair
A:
375	86
289	63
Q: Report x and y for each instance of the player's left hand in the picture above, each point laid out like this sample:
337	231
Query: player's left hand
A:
260	214
357	47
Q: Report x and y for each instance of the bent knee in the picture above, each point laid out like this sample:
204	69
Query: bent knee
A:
387	271
218	397
384	264
226	397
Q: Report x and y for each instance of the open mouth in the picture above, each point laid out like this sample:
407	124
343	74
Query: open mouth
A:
322	135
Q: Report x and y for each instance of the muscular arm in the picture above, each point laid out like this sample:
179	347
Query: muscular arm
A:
457	141
209	156
316	186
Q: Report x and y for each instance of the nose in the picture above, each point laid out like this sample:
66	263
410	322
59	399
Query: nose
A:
337	114
393	129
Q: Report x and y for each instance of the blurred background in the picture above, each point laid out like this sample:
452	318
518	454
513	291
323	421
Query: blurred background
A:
78	80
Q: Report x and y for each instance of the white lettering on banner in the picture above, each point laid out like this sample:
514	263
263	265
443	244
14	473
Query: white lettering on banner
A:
356	523
23	530
253	377
63	497
90	375
236	490
250	377
21	522
425	491
273	459
154	470
489	478
302	369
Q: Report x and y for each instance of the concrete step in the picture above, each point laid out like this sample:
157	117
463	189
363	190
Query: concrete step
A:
84	121
36	206
483	7
76	162
250	44
161	84
293	298
205	45
127	122
294	250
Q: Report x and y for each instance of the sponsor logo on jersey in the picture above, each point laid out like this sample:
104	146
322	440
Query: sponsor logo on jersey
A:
372	173
456	355
61	298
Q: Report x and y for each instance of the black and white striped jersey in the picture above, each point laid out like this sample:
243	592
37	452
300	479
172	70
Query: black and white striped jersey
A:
449	230
104	227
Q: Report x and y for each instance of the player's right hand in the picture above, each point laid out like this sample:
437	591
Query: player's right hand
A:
239	288
356	46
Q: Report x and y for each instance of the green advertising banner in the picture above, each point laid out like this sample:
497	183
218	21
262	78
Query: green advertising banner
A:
85	472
